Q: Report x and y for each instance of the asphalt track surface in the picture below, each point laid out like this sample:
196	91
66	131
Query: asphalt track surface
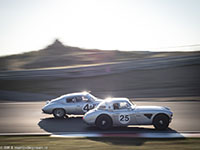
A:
26	117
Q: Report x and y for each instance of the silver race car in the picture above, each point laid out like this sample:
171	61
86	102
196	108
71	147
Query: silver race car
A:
74	103
121	112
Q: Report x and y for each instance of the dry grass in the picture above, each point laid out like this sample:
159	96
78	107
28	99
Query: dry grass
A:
45	142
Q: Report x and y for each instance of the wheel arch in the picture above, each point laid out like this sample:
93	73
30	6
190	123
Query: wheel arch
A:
104	115
58	108
159	114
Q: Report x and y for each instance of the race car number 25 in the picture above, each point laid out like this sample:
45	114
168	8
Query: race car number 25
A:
124	118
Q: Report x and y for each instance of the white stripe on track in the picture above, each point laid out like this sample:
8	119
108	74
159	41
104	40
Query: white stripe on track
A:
133	135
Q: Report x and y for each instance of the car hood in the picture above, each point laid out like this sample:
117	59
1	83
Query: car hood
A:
151	108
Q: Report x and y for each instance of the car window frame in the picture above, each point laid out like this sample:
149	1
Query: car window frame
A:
76	97
119	109
71	97
88	99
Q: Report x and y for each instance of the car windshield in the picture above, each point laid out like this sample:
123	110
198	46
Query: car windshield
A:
91	97
131	103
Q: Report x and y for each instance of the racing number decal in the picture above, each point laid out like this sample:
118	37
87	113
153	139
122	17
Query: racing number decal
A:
124	118
87	107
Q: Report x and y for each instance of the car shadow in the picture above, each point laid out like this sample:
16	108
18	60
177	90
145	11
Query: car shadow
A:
71	124
130	141
75	125
129	136
132	129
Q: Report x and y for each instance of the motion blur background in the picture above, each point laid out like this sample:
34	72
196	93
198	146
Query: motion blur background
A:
58	42
146	50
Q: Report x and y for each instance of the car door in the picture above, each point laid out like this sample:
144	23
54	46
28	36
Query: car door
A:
84	104
123	115
70	105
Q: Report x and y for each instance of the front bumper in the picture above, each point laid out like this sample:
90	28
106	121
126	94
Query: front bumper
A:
45	112
170	118
88	121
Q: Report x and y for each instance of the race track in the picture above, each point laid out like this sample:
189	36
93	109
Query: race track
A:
26	117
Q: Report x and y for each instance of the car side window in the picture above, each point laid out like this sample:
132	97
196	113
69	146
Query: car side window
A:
78	99
116	106
119	106
71	100
123	105
85	98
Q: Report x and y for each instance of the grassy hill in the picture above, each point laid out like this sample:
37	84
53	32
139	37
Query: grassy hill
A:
59	55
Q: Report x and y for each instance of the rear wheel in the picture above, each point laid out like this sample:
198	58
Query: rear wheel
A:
59	113
161	122
104	122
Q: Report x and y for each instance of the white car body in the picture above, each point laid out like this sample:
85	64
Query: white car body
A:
74	103
126	114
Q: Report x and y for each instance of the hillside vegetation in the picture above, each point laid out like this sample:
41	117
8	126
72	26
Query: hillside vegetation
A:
59	55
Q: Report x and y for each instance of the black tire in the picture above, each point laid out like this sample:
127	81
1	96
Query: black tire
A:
104	122
66	116
161	122
59	113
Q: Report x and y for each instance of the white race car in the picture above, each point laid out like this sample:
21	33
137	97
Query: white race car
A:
74	103
121	112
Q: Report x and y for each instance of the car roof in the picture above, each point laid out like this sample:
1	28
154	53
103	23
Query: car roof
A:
110	101
75	94
118	99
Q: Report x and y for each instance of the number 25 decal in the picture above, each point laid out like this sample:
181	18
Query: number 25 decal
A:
124	118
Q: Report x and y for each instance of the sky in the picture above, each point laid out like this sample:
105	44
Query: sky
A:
156	25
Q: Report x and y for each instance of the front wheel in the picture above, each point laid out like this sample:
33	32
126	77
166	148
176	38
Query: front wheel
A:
161	122
59	113
104	122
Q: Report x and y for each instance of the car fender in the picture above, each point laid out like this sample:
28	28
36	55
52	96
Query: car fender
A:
102	114
52	106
